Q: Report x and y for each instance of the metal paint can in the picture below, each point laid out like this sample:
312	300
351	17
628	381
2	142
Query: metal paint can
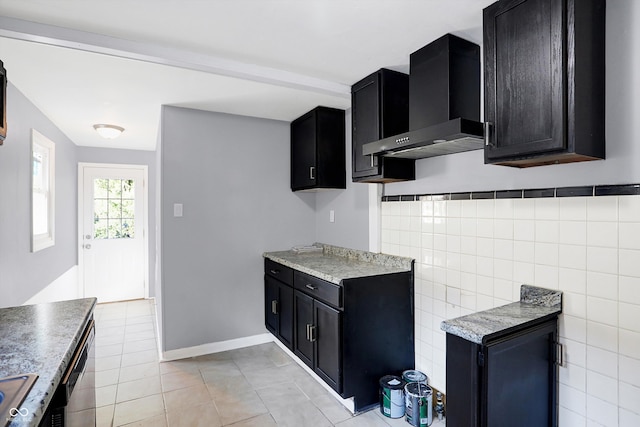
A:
419	412
392	403
413	376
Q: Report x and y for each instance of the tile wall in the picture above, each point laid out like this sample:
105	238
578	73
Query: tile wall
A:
472	255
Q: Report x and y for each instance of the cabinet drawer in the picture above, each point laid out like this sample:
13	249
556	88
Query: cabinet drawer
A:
278	271
318	288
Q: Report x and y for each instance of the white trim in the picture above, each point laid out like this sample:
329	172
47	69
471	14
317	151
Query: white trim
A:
347	403
215	347
42	144
157	54
145	213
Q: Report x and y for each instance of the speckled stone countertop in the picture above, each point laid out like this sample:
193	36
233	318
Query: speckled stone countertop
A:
335	264
536	304
40	339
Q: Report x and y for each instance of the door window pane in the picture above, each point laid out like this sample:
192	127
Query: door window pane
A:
113	208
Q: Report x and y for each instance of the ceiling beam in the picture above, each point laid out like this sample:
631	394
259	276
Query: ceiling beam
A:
97	43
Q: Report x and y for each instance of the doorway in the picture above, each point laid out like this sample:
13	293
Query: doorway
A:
112	231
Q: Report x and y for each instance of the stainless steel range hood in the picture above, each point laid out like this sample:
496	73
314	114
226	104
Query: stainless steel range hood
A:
444	103
453	136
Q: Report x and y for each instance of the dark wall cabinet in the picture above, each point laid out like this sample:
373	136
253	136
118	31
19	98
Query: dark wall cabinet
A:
278	310
544	81
318	150
380	109
509	381
351	334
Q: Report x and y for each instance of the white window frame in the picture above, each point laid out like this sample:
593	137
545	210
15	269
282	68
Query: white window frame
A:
43	145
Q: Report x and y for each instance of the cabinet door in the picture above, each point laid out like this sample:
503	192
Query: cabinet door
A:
366	124
327	336
271	304
285	314
303	320
519	379
524	78
303	151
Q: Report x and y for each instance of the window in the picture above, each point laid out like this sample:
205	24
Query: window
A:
43	155
113	208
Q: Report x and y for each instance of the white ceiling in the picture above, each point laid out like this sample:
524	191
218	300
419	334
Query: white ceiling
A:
275	59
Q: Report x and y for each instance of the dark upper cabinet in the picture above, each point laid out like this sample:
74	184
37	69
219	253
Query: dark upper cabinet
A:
318	150
379	109
544	78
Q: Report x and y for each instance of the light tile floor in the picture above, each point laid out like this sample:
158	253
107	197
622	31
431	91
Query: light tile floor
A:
254	386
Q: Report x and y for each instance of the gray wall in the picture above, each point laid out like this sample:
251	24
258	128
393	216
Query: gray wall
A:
22	273
351	208
132	157
467	171
231	174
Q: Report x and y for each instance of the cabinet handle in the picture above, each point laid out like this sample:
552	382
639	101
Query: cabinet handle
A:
275	271
560	357
310	286
274	306
312	333
487	134
312	172
308	332
372	164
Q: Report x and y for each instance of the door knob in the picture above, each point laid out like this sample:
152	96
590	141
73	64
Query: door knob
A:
87	246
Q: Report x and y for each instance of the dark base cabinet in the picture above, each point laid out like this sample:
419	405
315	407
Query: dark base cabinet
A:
351	334
320	351
509	381
278	298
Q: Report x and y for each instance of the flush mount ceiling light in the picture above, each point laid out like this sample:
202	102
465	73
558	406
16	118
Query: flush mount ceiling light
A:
108	131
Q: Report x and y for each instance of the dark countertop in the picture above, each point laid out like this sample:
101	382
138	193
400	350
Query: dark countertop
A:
335	264
41	339
535	305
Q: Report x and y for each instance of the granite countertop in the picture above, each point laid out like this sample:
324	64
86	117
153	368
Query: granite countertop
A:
335	264
535	305
41	339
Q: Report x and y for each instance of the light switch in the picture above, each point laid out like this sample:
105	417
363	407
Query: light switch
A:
332	216
177	209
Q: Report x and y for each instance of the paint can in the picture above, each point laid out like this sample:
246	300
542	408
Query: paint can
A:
413	376
392	403
419	412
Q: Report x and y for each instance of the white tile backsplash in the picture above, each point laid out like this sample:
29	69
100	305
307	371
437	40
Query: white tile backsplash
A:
602	208
629	209
602	336
629	262
629	418
603	260
472	255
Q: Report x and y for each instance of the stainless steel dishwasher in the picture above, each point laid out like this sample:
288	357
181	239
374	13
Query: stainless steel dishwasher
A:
74	401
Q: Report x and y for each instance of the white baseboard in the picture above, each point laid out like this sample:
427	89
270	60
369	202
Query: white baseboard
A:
347	403
65	287
215	347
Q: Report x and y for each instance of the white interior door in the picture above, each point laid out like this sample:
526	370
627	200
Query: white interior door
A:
113	229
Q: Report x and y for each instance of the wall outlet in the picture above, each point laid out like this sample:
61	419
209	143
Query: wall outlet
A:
332	216
177	209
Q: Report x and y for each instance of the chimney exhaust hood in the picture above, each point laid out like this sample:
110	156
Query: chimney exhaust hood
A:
444	103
